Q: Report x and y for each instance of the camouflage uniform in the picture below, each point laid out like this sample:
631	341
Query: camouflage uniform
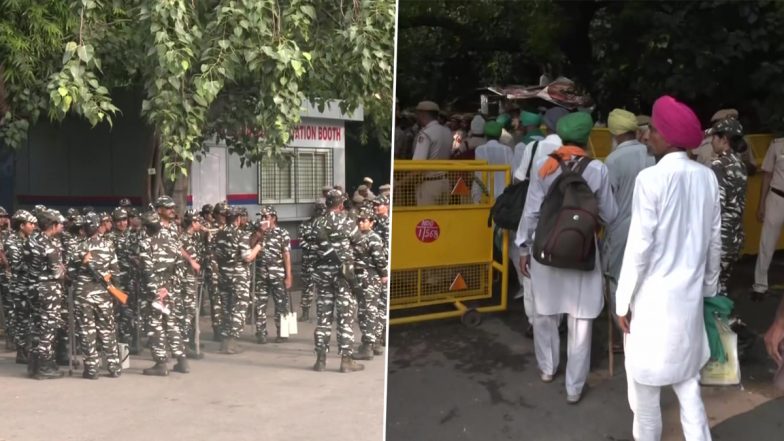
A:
124	249
217	310
47	272
233	279
94	306
270	277
18	281
371	266
309	245
158	254
6	302
382	228
732	176
192	244
336	234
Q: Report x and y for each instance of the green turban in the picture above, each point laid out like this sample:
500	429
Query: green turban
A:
493	129
503	119
575	127
530	118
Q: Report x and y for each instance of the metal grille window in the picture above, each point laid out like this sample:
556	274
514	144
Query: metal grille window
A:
298	180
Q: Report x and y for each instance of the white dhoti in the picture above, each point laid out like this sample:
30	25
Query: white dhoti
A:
432	191
646	404
526	290
547	345
771	230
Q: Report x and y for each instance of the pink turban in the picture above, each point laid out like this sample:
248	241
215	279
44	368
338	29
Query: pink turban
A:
677	123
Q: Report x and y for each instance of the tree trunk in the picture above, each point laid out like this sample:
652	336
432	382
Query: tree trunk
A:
180	191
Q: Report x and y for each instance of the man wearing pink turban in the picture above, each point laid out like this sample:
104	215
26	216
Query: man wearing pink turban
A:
670	263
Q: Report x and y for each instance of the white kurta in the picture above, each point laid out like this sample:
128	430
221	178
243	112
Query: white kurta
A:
522	154
671	262
563	291
495	153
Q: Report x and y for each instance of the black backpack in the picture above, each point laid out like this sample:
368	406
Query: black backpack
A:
568	221
508	207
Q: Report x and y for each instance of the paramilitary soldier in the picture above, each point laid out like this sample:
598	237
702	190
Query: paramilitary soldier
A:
191	240
46	273
23	224
371	271
5	294
334	271
273	273
124	248
381	227
309	247
216	307
93	304
233	254
158	253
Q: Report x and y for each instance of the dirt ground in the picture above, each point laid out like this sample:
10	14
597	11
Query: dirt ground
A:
451	382
267	392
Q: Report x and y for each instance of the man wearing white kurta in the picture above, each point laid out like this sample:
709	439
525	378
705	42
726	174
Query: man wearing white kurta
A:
495	153
525	152
670	263
565	291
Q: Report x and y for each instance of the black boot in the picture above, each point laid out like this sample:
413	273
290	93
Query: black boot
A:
305	315
347	364
89	375
261	338
21	356
32	364
134	348
365	352
321	361
191	353
160	369
378	349
47	370
182	365
61	352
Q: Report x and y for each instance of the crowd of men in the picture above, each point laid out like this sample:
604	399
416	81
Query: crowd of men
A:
88	282
670	198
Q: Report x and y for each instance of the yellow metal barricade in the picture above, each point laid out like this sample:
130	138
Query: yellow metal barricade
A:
442	246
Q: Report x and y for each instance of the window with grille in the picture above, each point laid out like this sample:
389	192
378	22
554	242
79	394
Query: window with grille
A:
298	180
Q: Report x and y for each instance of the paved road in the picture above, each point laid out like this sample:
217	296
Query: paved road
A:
267	392
450	382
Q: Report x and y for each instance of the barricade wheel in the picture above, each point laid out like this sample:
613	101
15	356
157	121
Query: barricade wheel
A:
471	318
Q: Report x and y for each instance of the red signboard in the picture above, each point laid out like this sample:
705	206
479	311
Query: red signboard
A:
427	230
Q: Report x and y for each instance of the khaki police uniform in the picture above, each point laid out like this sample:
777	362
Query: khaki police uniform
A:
434	142
774	213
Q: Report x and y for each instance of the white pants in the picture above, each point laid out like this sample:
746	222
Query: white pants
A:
771	230
526	290
646	404
432	192
547	345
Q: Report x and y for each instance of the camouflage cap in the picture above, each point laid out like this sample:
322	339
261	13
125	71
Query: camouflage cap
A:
150	218
92	220
72	212
269	210
57	215
88	209
119	213
234	211
381	200
319	208
334	197
105	217
78	220
132	212
47	215
326	188
165	202
39	208
724	114
206	208
365	212
3	213
727	126
125	202
243	211
221	208
24	216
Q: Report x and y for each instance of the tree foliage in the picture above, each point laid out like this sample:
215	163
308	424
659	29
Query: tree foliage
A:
239	70
712	54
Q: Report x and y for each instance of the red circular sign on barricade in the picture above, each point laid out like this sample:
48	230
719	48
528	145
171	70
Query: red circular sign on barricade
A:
427	230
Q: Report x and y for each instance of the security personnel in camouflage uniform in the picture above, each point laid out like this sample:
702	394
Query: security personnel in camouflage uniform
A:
381	227
192	242
159	252
121	238
94	304
309	246
5	295
273	273
233	254
46	273
23	224
336	235
216	307
371	271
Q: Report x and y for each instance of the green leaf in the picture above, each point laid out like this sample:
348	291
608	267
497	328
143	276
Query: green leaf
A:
83	54
62	91
308	10
185	65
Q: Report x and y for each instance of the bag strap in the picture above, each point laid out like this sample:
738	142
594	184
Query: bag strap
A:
531	162
582	164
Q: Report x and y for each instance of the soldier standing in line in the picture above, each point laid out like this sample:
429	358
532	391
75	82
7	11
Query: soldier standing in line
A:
71	237
371	271
192	243
381	227
124	250
207	223
233	254
23	224
47	272
216	307
273	273
5	295
159	252
334	272
93	304
309	248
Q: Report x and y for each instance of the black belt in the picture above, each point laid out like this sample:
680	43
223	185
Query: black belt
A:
434	178
777	191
